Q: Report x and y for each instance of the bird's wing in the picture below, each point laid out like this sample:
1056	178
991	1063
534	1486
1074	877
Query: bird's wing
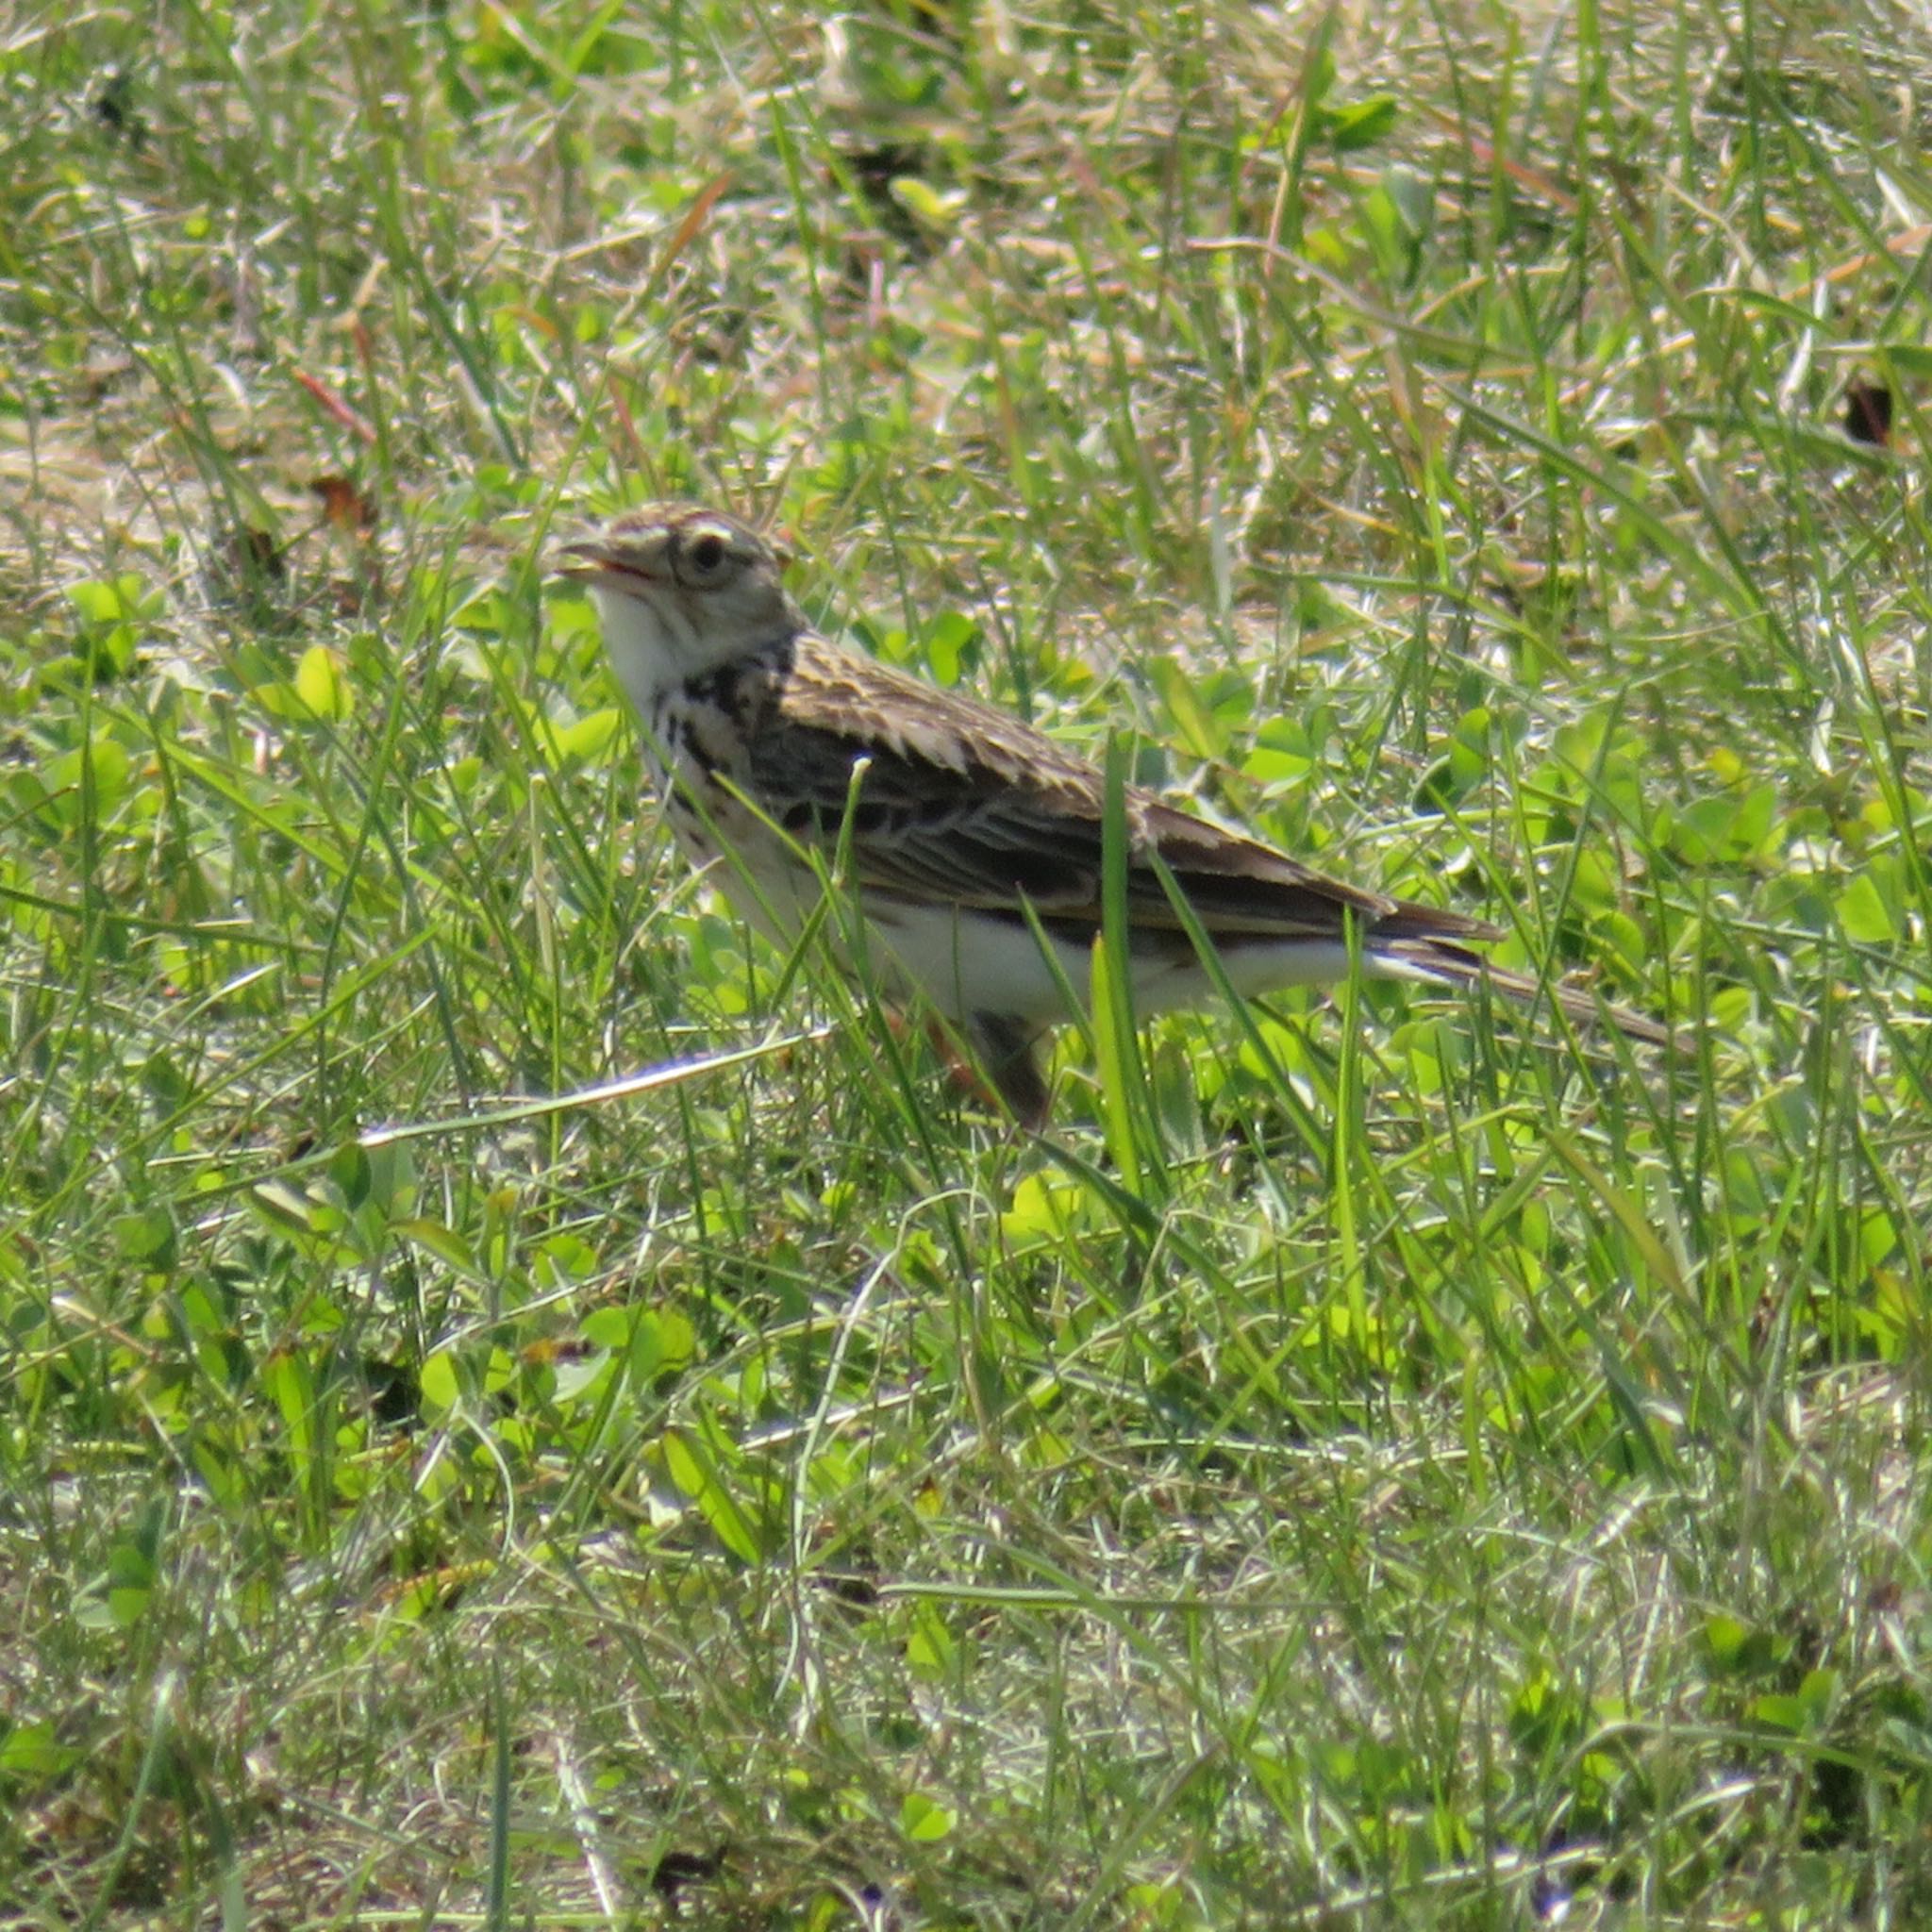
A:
965	806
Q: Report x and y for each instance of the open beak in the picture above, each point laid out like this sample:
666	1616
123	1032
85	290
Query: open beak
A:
583	561
591	560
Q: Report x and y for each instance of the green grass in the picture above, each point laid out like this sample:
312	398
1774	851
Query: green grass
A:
1375	1462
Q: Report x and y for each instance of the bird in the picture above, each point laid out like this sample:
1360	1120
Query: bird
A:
972	840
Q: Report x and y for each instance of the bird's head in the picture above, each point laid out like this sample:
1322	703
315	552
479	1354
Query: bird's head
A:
681	590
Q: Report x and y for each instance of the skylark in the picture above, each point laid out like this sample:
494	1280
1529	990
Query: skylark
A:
766	741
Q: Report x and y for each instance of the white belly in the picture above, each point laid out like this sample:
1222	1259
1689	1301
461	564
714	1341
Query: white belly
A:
964	963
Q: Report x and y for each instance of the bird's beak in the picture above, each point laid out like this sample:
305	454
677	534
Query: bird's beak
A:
593	560
582	562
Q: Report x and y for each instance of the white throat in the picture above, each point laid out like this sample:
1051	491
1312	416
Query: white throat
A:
653	647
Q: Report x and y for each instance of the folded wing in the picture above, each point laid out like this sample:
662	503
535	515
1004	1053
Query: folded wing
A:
967	806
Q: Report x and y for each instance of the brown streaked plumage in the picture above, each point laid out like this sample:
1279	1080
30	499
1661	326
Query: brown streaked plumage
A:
963	817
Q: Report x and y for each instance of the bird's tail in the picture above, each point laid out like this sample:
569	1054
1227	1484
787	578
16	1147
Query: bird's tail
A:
1446	964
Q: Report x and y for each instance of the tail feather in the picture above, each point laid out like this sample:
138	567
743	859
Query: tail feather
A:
1006	1045
1450	965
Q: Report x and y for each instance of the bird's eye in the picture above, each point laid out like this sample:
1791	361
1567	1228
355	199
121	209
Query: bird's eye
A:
707	553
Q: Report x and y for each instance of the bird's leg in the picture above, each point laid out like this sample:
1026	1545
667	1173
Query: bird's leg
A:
1005	1046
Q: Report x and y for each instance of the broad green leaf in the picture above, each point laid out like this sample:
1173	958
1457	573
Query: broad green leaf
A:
1863	914
323	685
923	1820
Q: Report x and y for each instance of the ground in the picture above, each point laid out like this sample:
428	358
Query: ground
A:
1378	1459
